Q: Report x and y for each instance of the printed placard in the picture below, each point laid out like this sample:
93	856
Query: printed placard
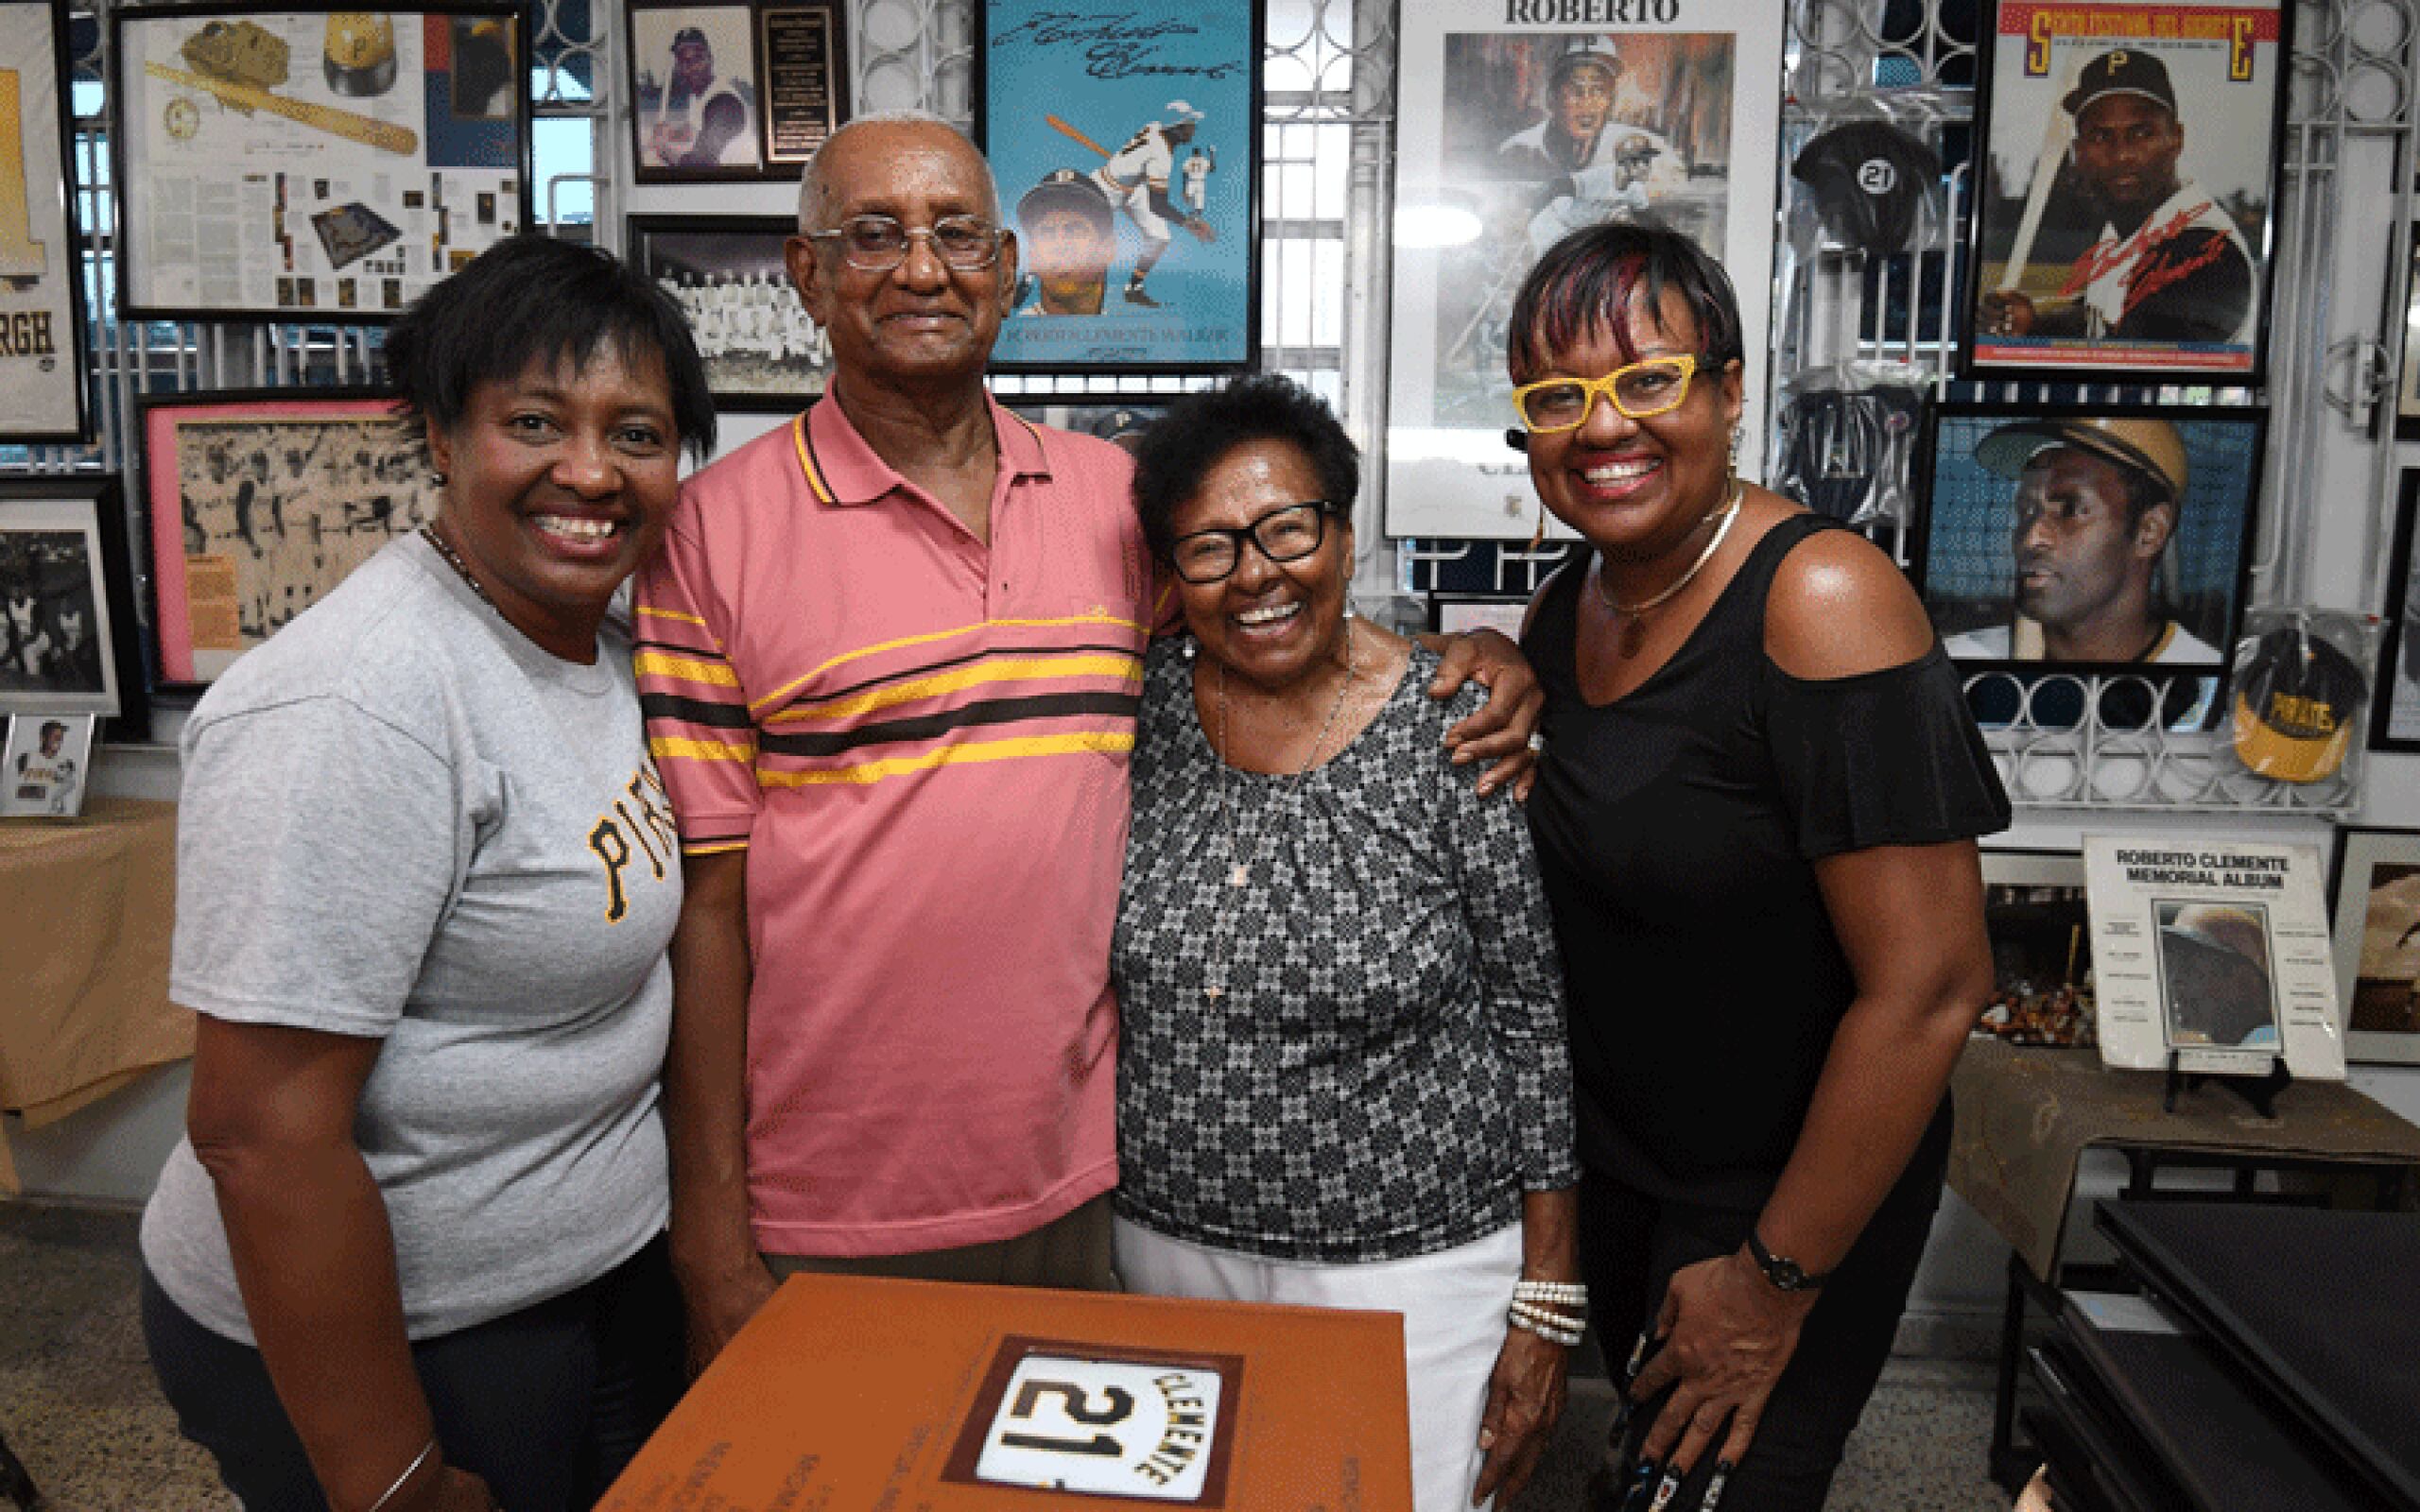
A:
1135	1425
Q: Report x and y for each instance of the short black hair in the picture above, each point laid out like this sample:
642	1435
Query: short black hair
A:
1200	430
1586	279
531	297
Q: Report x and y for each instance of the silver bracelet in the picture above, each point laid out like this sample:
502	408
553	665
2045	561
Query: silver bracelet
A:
409	1471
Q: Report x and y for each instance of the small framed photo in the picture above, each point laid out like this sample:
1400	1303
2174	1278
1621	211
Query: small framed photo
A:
1121	420
44	765
42	394
2394	723
2041	935
1455	613
2088	538
762	350
745	90
260	502
69	641
2125	186
2377	909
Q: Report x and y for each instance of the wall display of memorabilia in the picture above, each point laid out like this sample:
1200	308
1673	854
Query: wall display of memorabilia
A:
68	636
2217	951
1128	152
2395	726
2378	943
2108	538
1120	421
1510	135
2125	178
2033	910
734	91
762	350
333	162
42	284
260	504
44	765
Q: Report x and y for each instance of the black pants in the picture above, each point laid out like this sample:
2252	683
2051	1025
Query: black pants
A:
546	1404
1630	1246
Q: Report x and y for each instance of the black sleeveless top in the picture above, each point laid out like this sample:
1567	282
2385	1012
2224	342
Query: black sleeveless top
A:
1677	828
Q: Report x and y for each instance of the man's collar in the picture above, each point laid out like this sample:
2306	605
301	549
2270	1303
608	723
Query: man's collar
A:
841	468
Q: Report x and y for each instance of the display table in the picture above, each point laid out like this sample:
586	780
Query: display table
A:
87	906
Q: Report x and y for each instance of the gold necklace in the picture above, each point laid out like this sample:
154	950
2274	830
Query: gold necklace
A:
1633	629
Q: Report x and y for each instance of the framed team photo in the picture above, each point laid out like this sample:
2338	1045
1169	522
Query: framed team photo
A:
2376	901
69	641
310	162
1512	134
2124	190
2394	724
42	284
762	350
1127	148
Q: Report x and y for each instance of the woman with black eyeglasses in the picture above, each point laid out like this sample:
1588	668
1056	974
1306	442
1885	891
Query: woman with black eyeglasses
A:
1341	1073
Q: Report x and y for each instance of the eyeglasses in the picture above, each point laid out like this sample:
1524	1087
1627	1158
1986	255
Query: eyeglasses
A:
1639	391
1287	533
877	244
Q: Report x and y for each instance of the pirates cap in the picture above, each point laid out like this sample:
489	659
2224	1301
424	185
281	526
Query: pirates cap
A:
2148	447
2297	698
1587	52
2121	71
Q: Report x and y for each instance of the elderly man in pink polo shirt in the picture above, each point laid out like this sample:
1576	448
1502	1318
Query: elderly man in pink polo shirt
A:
889	660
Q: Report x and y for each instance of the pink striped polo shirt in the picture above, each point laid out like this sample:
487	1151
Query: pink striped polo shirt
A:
921	742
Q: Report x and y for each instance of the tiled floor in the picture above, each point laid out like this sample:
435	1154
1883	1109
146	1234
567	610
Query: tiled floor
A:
77	1405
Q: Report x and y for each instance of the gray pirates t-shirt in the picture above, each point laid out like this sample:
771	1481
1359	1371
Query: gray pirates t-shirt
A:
403	820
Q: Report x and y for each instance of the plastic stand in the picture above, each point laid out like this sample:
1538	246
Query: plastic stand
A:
2258	1092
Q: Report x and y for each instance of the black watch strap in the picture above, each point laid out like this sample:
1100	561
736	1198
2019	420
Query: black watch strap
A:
1785	1273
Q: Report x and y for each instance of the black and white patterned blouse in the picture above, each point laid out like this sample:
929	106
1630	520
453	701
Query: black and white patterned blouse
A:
1358	1054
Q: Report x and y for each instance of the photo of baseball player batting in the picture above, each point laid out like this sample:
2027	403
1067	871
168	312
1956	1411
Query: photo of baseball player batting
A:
2121	203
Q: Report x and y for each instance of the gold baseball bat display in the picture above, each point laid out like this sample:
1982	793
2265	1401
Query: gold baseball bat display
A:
383	135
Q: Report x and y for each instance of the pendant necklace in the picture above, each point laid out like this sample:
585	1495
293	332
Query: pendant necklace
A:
1631	617
453	558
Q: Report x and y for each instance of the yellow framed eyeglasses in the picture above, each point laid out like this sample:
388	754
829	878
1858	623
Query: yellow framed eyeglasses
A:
1639	391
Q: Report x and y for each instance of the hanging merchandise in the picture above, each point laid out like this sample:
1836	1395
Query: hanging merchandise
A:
1847	441
2302	678
1873	181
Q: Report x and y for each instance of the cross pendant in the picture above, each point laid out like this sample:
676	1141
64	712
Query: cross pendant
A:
1238	875
1214	992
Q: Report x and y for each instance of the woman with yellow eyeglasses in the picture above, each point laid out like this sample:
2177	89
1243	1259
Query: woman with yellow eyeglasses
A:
1756	816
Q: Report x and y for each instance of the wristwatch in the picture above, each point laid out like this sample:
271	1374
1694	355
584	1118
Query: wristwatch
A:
1785	1273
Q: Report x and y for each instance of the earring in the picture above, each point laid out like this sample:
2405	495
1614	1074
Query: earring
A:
1345	582
1187	649
438	478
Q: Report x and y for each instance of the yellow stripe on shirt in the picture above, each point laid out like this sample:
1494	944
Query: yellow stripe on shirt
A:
687	669
844	658
678	748
1011	669
866	773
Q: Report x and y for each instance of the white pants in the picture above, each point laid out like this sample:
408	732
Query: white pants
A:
1453	1304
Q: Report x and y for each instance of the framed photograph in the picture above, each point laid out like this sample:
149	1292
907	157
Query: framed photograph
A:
2124	194
2040	933
42	269
1128	150
745	90
313	163
2407	388
1122	420
2091	537
45	764
2377	908
1454	614
2394	720
260	502
69	639
762	350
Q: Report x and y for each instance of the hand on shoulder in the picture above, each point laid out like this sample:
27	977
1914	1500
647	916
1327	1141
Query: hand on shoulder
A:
1840	607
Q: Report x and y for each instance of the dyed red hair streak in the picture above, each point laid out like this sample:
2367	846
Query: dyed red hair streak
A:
1586	279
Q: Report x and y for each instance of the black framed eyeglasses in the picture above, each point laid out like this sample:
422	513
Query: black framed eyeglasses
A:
877	244
1287	533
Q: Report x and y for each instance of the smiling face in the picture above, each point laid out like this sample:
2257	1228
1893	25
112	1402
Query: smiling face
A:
559	485
2082	562
2126	148
1272	624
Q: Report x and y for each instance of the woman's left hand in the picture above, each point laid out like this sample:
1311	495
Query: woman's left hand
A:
1524	1400
1499	733
1727	1335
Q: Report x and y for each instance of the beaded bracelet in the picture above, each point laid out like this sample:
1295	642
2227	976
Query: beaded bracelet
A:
1554	1328
1528	1291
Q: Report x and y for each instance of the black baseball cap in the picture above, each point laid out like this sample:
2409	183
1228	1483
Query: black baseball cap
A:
2296	699
2121	71
1066	189
690	37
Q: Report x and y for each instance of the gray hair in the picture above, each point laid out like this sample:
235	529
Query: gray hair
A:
810	182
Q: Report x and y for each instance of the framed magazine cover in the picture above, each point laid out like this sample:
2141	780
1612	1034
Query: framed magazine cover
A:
762	350
2375	900
308	162
43	395
260	502
1126	147
2123	207
2394	720
1511	134
69	640
738	91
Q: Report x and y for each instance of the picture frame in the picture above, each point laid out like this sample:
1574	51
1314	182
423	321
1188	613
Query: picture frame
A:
2190	590
2374	903
312	163
763	351
2091	265
2407	388
1458	614
45	765
1128	152
1115	418
2394	703
260	502
70	642
1507	138
43	357
734	90
2040	929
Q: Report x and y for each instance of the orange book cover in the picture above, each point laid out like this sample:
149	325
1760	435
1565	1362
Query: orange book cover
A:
855	1395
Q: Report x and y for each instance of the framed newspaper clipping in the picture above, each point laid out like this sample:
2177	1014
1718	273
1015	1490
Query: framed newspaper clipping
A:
1127	146
312	163
69	641
2377	898
41	276
762	350
1514	128
744	90
2125	187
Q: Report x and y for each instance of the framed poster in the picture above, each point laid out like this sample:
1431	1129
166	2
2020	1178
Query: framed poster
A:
44	765
2041	935
311	163
42	268
1128	152
2092	537
762	350
69	640
1512	133
2378	943
2125	185
260	502
2394	723
1122	420
734	91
